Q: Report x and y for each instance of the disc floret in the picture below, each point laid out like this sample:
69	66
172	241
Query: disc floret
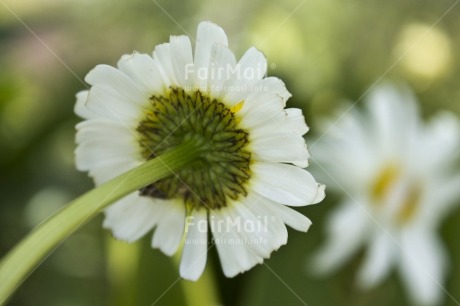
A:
223	166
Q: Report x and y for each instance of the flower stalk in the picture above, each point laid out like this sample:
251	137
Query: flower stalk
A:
30	252
204	291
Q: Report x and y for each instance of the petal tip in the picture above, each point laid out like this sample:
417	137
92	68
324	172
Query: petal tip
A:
321	194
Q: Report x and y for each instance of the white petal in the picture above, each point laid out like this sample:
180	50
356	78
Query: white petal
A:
195	251
89	154
108	103
103	129
228	261
276	86
131	217
274	229
101	140
394	115
80	106
280	146
142	70
163	61
235	255
170	229
253	64
257	237
347	229
263	230
320	195
379	258
441	142
295	121
333	152
251	69
285	184
423	266
207	35
220	71
114	80
262	112
102	172
182	60
444	196
289	216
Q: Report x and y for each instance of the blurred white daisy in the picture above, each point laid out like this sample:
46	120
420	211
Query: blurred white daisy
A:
249	167
398	176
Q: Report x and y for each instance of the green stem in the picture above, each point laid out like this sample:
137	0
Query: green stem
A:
32	250
123	271
203	292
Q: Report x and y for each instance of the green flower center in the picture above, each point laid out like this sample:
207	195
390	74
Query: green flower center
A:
222	169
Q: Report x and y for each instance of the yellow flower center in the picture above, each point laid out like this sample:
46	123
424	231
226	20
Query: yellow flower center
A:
385	180
384	185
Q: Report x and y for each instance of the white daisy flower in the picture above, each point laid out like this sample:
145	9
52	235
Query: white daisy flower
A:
252	150
397	174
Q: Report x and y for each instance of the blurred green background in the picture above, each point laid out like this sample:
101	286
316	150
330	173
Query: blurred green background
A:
325	51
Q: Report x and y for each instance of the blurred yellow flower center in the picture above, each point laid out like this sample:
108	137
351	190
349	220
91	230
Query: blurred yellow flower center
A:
384	185
410	204
222	169
384	182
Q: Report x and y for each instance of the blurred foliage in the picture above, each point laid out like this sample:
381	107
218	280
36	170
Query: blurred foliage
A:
325	50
